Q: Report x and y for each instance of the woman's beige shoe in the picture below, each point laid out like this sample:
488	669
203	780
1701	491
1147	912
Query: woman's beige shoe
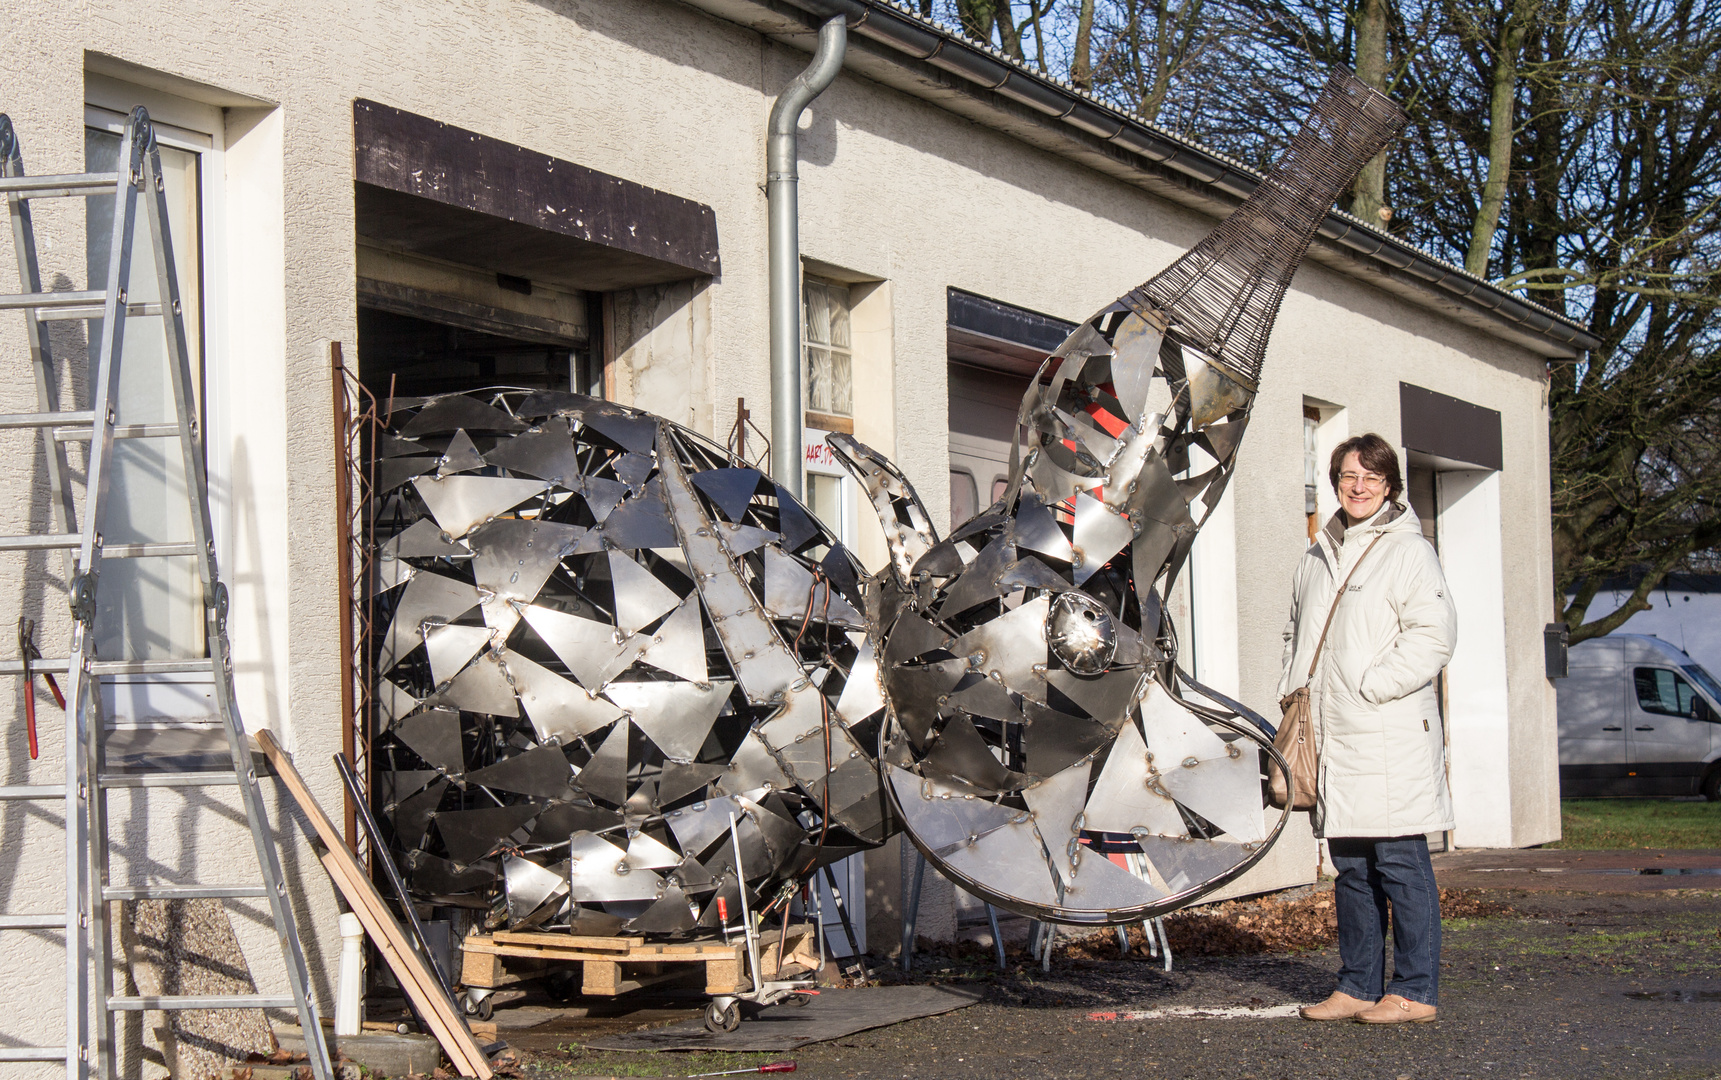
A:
1393	1009
1340	1006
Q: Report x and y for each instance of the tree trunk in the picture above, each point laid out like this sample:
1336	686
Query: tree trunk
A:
1503	96
1082	62
975	18
1368	194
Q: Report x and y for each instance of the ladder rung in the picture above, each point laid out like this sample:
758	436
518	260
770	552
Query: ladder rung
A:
32	1053
47	920
60	186
49	301
181	892
123	431
146	551
202	1001
94	311
37	667
47	419
169	779
40	542
32	791
151	667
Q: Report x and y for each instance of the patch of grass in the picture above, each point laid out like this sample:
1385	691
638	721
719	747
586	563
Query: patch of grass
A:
1618	824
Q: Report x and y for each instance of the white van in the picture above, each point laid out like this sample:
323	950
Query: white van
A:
1638	717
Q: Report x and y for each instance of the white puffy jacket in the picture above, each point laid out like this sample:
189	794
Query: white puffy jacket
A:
1377	722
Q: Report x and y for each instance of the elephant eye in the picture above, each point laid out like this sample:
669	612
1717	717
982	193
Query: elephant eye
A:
1081	633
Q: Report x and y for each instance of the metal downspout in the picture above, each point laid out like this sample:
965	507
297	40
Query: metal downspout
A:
782	147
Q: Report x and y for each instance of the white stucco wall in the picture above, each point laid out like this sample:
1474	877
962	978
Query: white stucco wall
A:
893	189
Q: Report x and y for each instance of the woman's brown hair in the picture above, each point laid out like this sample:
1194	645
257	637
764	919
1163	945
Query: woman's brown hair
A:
1376	455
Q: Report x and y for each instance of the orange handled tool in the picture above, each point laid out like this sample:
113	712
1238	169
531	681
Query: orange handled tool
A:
27	652
775	1066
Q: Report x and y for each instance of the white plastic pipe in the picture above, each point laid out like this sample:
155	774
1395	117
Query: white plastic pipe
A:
349	998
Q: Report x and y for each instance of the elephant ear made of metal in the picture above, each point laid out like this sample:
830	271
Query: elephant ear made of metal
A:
1038	747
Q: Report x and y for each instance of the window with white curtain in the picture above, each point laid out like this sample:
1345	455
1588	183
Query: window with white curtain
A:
150	608
829	352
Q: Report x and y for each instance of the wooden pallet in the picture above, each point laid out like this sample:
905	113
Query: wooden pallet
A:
608	966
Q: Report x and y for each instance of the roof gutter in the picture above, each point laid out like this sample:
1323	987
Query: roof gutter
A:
910	37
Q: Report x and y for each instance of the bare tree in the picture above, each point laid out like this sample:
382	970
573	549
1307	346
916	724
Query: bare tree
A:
1567	150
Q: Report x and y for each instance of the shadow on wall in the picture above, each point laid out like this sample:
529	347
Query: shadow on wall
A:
923	127
663	359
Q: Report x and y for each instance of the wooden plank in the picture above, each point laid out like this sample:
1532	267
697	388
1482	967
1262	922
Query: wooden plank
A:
416	980
534	952
567	941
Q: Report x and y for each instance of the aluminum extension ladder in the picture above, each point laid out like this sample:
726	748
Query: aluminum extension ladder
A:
90	997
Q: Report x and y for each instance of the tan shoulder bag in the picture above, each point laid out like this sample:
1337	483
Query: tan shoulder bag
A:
1296	738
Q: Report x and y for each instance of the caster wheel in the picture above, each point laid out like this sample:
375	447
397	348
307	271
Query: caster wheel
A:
483	1009
797	1001
719	1020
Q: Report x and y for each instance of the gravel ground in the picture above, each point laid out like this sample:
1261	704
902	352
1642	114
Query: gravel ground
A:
1569	985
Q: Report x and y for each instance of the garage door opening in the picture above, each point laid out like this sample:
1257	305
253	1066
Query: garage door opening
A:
418	356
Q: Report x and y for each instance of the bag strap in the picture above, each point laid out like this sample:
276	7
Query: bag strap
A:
1335	608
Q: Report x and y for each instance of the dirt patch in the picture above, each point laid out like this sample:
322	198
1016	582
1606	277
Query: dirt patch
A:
1274	924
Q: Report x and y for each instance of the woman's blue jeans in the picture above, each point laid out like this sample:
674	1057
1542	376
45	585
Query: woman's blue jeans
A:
1372	873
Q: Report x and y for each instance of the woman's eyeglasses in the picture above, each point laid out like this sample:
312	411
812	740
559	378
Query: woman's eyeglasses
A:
1371	481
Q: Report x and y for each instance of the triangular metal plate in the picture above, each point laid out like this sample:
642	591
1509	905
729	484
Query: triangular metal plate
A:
640	598
459	503
731	489
458	411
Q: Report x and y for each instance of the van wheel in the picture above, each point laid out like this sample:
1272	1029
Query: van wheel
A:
1712	785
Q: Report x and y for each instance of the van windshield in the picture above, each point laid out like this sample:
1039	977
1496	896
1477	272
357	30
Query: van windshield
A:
1702	678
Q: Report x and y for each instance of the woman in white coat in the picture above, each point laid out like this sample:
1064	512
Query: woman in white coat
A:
1382	783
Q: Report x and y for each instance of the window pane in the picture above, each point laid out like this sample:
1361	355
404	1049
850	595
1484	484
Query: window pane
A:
818	379
964	497
838	299
1702	677
818	312
1661	691
148	609
825	500
842	384
822	493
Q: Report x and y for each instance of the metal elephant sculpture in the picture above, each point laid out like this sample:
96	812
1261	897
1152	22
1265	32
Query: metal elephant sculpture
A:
605	638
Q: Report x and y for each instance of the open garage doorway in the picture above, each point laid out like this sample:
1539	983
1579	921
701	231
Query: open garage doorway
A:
417	356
